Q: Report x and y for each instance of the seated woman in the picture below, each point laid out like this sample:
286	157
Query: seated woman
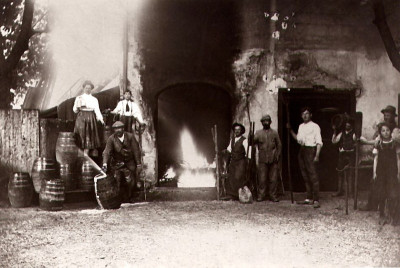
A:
87	108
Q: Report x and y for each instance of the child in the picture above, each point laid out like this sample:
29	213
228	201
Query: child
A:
386	174
346	140
128	112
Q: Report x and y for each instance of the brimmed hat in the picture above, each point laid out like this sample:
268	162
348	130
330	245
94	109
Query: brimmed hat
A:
389	109
118	124
265	117
239	125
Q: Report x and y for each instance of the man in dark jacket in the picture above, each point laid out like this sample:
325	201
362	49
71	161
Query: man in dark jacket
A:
122	154
269	152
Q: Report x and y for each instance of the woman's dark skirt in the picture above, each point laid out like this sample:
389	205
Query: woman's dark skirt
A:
86	130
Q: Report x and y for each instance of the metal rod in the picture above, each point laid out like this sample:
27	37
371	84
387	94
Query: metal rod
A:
356	175
288	153
346	179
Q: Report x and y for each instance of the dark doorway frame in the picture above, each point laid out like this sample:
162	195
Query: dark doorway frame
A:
221	141
293	96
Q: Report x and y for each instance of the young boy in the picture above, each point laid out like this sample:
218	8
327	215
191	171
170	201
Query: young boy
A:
128	112
346	140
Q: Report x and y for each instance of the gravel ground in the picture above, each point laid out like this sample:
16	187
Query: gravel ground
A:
197	234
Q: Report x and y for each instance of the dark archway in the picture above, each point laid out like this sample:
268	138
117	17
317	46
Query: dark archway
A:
197	107
325	104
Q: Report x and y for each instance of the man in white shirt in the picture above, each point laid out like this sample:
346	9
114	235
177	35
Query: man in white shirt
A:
310	140
129	112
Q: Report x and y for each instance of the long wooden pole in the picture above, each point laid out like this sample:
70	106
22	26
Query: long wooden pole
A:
214	133
288	153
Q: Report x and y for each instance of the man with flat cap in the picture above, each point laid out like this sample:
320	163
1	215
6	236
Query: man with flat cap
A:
122	154
269	152
237	166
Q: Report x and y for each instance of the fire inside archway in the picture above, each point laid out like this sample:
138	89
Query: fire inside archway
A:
185	115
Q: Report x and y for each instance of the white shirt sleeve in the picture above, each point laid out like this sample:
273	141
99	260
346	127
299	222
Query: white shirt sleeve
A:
75	108
137	113
229	148
96	107
336	139
118	109
318	138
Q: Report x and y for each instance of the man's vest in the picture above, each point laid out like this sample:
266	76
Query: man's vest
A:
346	141
238	150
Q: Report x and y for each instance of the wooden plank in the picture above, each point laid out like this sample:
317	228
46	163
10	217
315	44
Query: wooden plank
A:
19	139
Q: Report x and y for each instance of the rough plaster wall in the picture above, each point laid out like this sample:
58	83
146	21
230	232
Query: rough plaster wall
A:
338	70
381	83
148	137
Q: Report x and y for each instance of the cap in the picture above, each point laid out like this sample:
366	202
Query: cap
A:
265	117
118	124
389	109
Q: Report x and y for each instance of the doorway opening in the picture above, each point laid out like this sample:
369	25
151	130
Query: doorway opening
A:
185	115
324	104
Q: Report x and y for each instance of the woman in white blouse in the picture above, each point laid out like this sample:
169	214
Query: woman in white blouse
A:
87	108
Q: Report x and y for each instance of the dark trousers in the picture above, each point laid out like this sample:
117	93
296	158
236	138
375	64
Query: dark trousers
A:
309	171
128	122
267	173
345	158
126	178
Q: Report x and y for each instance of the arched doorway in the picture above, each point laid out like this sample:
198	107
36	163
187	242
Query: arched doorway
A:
197	108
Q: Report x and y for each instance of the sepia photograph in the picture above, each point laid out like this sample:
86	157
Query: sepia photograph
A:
199	133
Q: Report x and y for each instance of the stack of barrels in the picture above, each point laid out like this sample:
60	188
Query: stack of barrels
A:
67	155
47	183
51	178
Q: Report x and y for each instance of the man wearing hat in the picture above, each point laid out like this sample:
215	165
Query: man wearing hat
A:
122	154
237	166
269	152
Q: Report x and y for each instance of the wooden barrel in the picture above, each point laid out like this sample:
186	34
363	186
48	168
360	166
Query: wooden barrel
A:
43	169
86	180
69	176
52	195
20	190
107	192
66	149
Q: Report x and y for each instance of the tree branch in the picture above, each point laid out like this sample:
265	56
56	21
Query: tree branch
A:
22	42
386	35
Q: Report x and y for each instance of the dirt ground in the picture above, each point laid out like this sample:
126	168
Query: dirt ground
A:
197	234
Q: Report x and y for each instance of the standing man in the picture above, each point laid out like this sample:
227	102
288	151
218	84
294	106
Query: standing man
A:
122	153
269	152
128	112
310	140
237	166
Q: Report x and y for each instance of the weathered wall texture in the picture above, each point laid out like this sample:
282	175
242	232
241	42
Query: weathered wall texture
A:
376	81
148	142
19	144
318	44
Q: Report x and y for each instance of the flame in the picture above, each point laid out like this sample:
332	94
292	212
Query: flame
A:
197	172
170	173
191	157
